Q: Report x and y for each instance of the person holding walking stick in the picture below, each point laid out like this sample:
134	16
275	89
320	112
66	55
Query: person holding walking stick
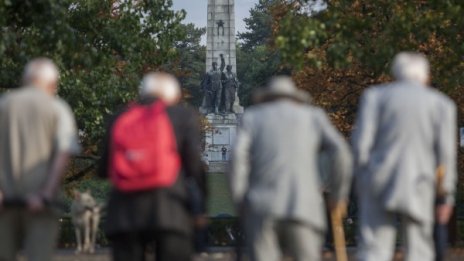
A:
404	131
274	174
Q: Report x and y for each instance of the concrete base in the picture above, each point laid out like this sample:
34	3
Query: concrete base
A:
219	139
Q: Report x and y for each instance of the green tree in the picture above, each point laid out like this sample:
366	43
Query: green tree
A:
258	26
370	33
257	60
357	40
191	63
102	48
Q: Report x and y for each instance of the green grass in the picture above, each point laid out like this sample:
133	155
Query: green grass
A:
219	196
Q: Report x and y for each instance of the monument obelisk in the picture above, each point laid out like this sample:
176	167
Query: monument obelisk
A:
221	42
221	33
221	37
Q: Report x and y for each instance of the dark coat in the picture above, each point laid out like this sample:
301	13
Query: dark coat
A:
161	209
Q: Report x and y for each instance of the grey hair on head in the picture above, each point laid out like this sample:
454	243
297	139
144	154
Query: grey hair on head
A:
161	85
40	69
411	66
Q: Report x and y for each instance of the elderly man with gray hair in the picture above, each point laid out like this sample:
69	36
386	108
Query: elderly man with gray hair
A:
405	131
37	137
145	214
274	175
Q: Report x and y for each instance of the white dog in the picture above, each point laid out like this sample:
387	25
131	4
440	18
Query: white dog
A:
85	214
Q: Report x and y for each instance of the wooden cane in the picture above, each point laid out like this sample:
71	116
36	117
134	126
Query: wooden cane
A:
440	177
440	230
336	216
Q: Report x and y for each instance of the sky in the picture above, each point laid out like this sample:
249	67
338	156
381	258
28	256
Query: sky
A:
196	11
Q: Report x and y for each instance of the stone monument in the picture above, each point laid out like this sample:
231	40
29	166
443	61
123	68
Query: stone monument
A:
221	104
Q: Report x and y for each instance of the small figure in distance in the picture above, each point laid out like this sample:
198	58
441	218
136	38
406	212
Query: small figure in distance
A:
152	157
405	131
224	153
274	173
37	138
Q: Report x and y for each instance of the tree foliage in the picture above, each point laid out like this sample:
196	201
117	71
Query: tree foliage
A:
342	48
101	46
191	63
257	61
351	43
258	25
370	33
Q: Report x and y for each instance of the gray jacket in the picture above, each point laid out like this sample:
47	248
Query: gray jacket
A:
403	132
274	169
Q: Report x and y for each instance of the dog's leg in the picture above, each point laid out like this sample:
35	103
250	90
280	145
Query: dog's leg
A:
94	233
78	239
87	233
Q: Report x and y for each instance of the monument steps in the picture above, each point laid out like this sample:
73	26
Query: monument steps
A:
218	166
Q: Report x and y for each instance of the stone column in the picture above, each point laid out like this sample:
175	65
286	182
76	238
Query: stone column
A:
221	37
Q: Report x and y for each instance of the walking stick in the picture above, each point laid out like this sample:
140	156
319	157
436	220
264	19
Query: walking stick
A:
440	230
336	216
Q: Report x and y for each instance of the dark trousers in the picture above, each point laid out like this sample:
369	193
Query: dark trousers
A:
168	246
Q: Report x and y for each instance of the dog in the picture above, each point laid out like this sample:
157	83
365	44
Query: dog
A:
85	214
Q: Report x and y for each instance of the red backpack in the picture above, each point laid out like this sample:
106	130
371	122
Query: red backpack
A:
143	149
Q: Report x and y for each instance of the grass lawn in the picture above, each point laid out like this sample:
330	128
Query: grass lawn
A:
219	197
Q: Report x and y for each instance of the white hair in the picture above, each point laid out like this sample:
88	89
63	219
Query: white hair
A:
42	69
411	66
160	85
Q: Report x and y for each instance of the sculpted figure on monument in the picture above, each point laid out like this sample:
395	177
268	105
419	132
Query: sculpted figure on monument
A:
220	25
212	87
231	84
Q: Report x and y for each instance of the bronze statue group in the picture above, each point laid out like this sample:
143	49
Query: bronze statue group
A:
219	88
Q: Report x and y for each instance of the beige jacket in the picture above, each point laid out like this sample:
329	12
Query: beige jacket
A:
34	127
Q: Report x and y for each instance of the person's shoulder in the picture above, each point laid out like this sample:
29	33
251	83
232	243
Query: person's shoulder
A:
182	111
61	104
315	109
439	95
377	89
19	93
6	96
316	112
442	98
256	109
374	92
62	107
4	99
181	108
28	97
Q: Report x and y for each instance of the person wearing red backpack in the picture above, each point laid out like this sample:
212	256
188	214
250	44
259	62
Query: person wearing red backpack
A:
151	154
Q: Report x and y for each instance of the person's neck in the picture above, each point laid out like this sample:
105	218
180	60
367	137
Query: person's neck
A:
42	88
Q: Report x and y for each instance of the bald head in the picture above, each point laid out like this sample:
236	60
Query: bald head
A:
161	85
42	73
411	66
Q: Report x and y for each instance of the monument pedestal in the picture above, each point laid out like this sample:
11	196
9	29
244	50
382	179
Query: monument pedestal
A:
219	139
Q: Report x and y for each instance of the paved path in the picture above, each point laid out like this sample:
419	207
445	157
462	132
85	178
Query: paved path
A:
103	255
